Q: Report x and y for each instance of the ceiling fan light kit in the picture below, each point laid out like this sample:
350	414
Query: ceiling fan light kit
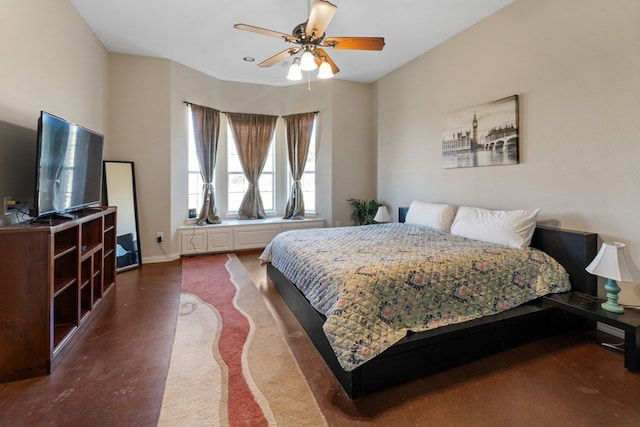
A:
310	38
295	73
325	71
308	61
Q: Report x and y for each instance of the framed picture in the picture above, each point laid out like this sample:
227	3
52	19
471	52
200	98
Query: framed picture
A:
484	135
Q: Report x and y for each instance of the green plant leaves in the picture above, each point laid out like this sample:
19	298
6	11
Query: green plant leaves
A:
363	211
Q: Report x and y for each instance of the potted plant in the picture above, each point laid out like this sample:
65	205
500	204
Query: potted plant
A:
363	211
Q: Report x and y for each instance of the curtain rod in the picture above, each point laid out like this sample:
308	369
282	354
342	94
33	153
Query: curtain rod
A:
226	112
191	103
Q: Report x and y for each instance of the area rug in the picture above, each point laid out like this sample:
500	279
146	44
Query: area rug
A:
230	365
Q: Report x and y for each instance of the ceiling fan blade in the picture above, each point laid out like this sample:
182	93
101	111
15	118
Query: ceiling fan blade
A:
264	32
320	54
319	18
355	43
279	57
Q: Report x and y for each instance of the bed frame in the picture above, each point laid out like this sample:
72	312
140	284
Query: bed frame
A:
423	353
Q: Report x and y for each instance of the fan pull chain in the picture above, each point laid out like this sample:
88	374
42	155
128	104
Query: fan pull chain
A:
309	81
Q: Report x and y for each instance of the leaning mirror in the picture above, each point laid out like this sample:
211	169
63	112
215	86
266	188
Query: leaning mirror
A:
120	191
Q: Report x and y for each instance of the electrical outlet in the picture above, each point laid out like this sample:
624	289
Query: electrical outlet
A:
338	223
159	236
6	210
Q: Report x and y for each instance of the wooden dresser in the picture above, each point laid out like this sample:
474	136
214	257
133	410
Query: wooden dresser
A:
53	278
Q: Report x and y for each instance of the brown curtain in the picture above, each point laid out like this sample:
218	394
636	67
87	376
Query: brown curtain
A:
252	134
298	128
206	129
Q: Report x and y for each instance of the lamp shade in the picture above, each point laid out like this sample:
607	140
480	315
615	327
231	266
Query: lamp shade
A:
308	61
382	215
325	71
294	72
613	262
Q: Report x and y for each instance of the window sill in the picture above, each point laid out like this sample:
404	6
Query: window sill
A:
237	234
235	221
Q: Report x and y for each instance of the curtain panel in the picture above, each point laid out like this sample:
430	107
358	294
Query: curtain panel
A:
298	129
252	134
206	130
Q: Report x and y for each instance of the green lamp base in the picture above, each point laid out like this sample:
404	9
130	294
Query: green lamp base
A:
614	308
611	304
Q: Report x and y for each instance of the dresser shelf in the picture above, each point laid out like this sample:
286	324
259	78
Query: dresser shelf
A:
54	277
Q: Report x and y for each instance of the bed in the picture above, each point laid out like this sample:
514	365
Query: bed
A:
433	349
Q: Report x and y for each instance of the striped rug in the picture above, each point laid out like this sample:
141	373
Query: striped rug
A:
230	366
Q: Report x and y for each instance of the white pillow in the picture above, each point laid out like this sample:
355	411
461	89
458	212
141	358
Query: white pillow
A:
509	228
434	215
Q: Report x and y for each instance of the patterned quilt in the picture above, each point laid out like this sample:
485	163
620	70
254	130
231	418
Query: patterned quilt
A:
375	283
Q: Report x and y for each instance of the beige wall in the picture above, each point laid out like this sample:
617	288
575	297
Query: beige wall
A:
140	131
51	61
354	151
578	78
148	126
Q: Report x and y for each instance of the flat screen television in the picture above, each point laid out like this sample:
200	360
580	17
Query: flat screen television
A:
68	167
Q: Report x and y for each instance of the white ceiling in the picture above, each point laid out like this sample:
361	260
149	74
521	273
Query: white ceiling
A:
200	33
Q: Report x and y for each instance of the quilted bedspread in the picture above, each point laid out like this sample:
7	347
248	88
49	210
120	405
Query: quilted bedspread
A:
375	283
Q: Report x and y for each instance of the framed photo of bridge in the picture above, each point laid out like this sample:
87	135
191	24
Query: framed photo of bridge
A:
483	135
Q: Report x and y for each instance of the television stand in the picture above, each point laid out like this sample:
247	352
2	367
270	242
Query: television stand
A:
57	277
65	215
55	218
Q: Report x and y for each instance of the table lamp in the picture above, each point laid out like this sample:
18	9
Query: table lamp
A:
613	262
382	215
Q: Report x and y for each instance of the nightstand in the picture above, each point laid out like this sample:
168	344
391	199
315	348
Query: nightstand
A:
588	307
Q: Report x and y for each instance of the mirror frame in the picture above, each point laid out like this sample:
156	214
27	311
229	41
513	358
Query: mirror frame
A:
105	190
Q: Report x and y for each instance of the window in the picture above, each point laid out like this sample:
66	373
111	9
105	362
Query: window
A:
195	179
230	191
238	184
308	180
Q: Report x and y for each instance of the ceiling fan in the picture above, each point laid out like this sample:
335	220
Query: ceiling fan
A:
310	40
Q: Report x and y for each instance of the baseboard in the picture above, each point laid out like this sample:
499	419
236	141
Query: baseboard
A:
619	333
162	258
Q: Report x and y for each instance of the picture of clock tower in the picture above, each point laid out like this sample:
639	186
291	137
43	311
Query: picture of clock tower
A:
474	141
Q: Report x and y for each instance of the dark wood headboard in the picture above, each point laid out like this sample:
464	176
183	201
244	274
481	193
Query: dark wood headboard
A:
574	250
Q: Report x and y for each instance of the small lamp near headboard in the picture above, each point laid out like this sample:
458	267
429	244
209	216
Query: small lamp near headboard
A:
382	215
614	263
